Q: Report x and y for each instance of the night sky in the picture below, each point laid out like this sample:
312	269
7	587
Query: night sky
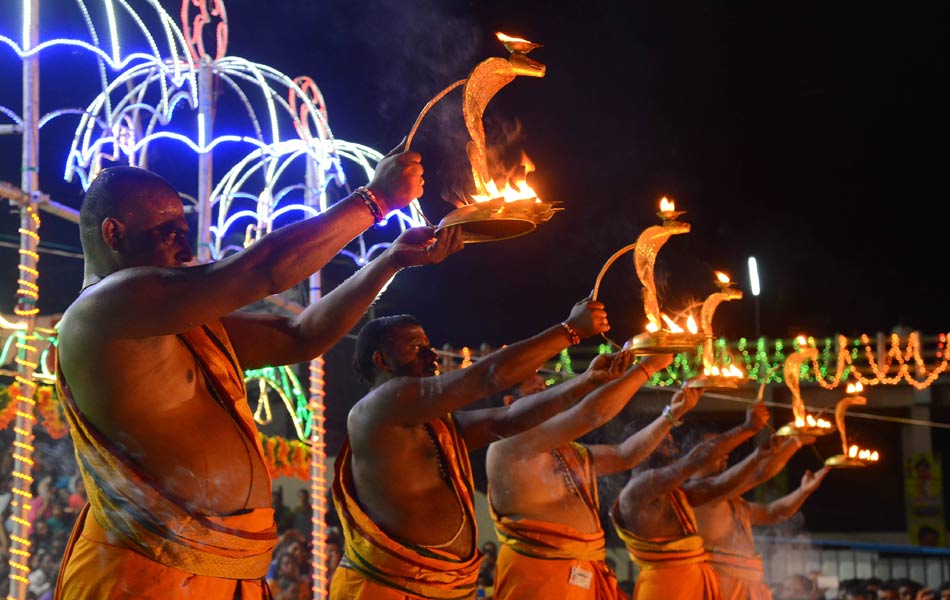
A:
809	135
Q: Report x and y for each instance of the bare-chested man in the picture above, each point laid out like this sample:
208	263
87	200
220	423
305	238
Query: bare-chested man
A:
542	491
725	522
151	361
654	518
403	487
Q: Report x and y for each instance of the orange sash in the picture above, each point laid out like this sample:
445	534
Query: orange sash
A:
740	576
541	559
675	567
379	567
132	515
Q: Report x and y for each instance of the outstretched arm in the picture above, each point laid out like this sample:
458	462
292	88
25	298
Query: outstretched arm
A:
597	407
650	484
408	401
783	508
708	489
609	459
141	302
261	339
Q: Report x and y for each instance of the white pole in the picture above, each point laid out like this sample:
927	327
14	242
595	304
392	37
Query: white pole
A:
205	177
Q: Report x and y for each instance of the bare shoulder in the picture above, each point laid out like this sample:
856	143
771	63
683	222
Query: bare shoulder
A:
379	407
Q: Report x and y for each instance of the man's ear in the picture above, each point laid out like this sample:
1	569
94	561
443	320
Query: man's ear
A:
113	231
379	361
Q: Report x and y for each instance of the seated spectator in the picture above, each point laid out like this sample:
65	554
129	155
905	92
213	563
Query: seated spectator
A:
797	587
287	583
77	499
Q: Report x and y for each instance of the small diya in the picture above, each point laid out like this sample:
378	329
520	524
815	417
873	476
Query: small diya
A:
852	455
728	377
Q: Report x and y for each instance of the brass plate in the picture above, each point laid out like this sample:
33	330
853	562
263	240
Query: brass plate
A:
789	429
843	461
664	342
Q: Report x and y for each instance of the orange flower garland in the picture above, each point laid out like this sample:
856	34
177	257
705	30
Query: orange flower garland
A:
8	412
49	409
286	458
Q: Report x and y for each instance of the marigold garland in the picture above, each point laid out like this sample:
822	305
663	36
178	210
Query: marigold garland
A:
286	458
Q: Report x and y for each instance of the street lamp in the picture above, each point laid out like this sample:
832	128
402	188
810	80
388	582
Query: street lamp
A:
755	289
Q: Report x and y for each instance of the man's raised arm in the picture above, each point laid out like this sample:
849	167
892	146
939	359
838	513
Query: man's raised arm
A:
540	425
411	401
786	506
273	340
146	301
615	458
701	491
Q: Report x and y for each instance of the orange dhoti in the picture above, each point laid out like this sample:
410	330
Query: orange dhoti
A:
132	541
741	576
378	567
672	567
540	559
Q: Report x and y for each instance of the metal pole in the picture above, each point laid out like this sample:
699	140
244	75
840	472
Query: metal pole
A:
205	177
318	444
27	296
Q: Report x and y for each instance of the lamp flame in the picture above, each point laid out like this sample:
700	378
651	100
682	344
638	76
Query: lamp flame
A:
513	187
671	325
723	278
691	325
507	38
667	205
855	388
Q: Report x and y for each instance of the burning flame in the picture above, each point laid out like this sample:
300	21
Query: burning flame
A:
507	38
728	371
813	422
670	324
855	388
802	341
723	278
863	454
652	327
672	327
667	205
515	186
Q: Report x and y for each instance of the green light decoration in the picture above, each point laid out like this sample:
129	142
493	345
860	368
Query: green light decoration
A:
286	385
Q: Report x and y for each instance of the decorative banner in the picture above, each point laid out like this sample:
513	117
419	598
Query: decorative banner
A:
923	485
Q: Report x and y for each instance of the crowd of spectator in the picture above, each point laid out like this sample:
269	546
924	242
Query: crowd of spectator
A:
58	496
810	587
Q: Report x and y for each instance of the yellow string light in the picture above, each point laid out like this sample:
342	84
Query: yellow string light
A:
318	478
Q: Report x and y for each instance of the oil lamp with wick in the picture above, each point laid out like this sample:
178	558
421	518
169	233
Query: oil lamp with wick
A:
804	423
715	376
851	455
663	335
496	211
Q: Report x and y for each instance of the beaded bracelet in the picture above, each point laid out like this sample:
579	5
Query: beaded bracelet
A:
571	333
369	199
668	413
